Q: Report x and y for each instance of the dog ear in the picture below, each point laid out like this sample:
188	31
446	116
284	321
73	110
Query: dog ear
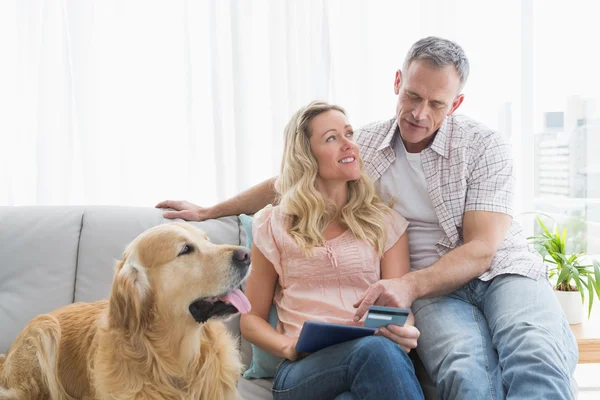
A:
130	299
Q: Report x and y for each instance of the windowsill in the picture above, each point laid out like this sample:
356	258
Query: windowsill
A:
588	338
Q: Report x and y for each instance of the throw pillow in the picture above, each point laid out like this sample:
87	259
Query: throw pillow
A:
263	363
247	224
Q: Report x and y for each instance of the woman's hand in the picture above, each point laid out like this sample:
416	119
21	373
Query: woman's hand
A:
290	351
405	336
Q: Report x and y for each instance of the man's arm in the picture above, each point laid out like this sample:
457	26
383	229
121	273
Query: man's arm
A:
488	206
483	232
247	202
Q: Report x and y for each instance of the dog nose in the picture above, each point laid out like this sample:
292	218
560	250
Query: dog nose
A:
241	257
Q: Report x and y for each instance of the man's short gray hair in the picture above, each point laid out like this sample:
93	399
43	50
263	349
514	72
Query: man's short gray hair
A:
439	53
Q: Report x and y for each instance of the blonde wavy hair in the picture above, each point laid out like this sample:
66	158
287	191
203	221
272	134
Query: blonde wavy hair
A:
309	211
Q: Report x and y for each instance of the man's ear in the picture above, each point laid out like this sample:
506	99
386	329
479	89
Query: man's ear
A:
397	82
130	299
456	103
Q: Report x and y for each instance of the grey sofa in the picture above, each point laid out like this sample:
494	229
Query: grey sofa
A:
53	256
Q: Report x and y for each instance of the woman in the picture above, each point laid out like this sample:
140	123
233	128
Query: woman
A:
315	254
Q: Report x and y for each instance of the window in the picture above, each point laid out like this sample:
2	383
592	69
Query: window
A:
566	184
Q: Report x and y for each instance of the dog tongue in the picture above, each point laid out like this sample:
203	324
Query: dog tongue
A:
237	299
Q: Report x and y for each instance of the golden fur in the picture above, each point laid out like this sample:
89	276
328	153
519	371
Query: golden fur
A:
142	343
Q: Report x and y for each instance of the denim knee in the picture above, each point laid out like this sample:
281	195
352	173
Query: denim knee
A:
526	343
381	350
378	361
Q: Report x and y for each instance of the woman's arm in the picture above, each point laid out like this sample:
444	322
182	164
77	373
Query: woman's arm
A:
260	288
395	263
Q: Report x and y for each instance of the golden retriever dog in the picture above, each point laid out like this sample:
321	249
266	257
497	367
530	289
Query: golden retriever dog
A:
158	336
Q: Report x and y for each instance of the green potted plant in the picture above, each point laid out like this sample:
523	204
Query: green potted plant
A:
573	278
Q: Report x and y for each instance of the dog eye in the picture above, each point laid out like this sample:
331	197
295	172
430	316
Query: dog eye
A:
186	250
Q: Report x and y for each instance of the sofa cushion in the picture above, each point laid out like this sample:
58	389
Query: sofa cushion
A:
262	363
106	232
38	255
255	389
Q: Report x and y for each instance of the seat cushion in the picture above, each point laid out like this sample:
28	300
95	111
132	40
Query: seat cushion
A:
429	391
38	256
254	389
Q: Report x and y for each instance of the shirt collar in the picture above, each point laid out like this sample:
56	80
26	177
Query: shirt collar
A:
389	136
439	144
440	141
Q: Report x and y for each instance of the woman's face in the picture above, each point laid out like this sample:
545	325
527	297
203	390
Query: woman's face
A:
332	142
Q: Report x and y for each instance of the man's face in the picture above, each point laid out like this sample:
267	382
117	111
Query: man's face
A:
426	95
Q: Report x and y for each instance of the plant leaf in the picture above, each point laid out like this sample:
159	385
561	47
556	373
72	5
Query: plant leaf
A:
543	226
591	294
563	276
597	280
547	260
560	258
577	280
582	269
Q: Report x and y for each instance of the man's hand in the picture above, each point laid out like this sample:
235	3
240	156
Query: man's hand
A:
397	293
405	336
185	210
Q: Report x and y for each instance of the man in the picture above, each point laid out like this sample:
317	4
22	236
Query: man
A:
490	326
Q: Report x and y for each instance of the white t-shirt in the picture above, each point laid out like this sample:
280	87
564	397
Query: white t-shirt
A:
404	182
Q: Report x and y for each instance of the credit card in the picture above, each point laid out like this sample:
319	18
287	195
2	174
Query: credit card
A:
381	316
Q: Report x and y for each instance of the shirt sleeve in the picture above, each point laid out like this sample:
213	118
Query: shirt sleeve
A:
396	225
264	230
490	183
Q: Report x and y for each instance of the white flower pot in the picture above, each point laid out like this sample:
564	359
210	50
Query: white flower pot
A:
571	305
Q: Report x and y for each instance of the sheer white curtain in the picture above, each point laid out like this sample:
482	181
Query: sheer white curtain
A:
132	102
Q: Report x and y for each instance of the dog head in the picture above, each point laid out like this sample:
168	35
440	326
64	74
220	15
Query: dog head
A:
175	272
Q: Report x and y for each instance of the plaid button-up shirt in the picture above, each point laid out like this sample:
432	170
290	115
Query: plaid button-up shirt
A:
468	167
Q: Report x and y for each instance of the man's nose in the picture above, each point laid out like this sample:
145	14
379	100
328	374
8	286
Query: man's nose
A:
420	112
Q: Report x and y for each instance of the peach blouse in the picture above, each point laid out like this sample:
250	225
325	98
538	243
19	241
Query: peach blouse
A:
325	285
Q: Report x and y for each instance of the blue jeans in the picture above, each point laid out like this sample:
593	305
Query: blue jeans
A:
372	367
505	338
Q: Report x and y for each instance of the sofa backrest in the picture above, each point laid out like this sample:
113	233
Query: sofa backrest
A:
53	256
